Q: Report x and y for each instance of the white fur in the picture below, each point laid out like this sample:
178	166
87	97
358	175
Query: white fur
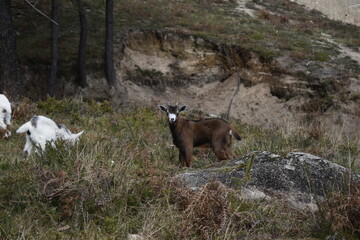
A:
172	117
5	114
41	130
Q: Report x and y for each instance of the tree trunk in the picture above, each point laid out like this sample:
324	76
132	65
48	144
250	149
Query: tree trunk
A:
54	50
109	60
82	45
10	82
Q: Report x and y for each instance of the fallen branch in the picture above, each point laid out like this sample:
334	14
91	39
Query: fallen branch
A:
33	6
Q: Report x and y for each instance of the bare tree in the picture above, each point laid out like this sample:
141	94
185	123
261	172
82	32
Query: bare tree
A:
54	51
109	58
10	82
82	45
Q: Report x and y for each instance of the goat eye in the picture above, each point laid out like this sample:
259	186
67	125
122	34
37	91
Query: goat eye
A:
4	111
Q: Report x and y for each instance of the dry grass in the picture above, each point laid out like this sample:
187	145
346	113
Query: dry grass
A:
206	211
342	211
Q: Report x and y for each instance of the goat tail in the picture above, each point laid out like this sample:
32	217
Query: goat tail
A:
24	128
234	134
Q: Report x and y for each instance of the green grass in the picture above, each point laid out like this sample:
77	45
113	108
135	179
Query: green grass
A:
116	181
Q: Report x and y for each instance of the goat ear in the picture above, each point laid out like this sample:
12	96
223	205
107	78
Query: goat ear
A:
162	108
182	108
76	136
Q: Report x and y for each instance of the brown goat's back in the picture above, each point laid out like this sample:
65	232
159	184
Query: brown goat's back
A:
207	130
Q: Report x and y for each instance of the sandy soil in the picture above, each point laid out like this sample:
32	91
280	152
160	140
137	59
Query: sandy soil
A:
253	105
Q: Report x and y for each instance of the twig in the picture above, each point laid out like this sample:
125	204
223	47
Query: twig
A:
238	82
33	6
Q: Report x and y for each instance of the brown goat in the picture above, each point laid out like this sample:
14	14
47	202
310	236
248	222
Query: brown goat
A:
187	134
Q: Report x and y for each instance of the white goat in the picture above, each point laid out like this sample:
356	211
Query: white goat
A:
5	117
41	130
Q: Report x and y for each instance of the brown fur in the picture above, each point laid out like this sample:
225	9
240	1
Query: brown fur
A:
3	131
212	132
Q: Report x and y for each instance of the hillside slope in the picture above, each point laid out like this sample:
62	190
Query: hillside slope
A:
298	79
294	67
119	181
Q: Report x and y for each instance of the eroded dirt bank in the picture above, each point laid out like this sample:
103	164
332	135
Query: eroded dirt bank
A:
167	67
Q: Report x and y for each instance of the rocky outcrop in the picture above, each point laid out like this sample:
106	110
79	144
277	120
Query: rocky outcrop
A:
161	59
300	178
168	66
